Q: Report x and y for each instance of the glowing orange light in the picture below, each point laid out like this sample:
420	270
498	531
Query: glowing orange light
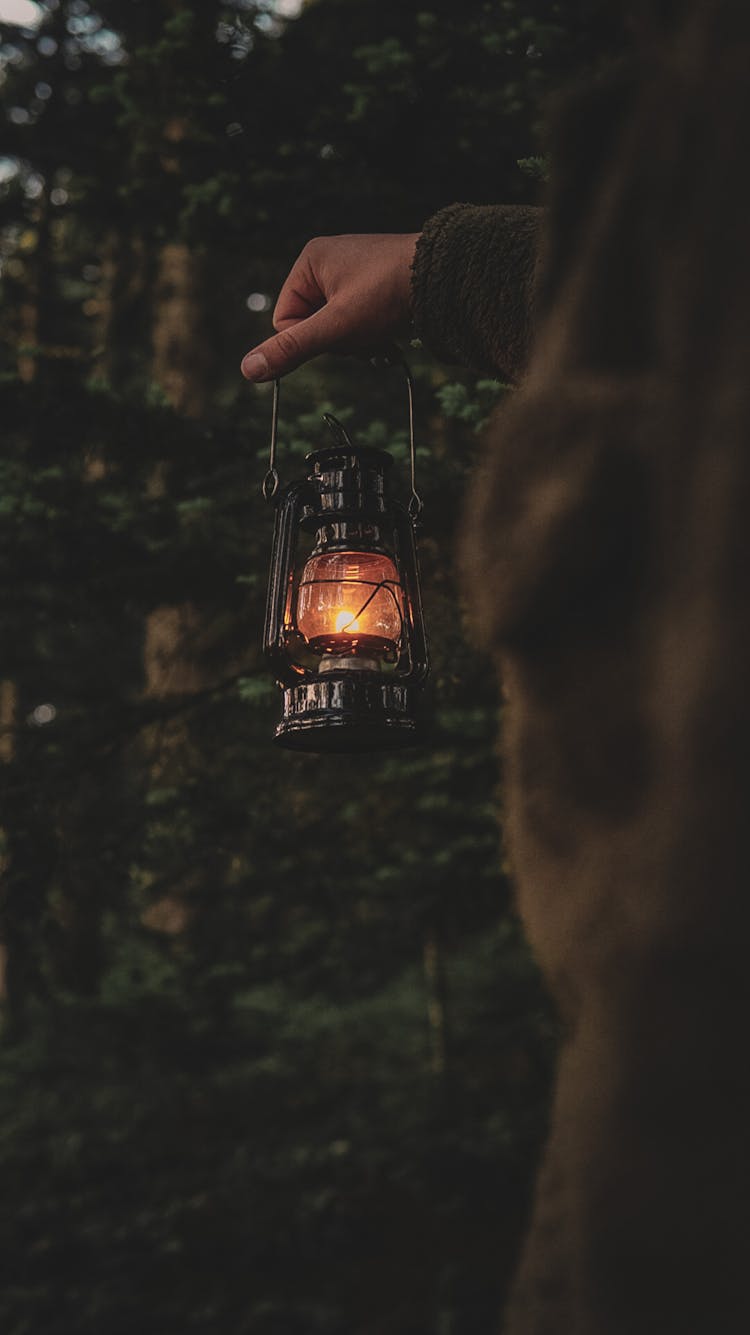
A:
347	621
351	603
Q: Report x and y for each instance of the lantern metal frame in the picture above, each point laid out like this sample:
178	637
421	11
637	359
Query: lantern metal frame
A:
351	703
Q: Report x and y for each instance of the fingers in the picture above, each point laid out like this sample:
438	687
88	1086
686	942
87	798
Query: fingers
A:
300	298
343	294
293	345
294	305
301	294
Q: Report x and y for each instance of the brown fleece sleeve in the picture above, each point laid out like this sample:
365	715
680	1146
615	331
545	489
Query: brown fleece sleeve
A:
473	285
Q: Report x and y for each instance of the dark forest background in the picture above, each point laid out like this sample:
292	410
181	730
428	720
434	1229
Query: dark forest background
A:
275	1058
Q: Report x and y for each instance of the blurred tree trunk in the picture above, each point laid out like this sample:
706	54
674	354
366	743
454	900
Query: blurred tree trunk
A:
8	697
181	357
27	865
124	306
180	367
34	329
436	980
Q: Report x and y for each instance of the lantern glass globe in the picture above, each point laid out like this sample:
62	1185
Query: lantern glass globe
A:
351	604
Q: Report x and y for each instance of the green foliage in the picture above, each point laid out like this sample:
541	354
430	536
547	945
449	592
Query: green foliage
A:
471	404
536	167
176	1175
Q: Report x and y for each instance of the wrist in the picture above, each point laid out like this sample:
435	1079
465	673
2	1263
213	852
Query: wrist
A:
405	272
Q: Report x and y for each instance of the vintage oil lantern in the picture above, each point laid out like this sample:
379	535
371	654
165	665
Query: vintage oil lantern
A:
344	630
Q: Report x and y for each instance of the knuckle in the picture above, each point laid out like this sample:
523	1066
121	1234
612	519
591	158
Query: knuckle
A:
289	345
316	248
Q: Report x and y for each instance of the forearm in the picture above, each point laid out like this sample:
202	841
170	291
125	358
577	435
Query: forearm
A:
473	285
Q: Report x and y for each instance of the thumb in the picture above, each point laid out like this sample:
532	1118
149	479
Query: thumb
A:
290	348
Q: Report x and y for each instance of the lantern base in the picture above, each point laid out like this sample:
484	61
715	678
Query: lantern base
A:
348	711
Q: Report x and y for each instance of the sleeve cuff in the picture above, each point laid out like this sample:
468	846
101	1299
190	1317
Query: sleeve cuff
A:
472	285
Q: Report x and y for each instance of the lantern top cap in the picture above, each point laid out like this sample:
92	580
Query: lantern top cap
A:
344	447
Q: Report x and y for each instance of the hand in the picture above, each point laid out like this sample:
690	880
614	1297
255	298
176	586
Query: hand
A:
343	294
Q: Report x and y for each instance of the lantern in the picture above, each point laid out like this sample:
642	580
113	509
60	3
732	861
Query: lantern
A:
344	631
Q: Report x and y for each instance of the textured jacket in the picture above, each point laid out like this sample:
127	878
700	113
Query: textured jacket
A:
609	552
473	285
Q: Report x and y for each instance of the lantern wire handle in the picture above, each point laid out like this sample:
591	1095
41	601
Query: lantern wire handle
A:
270	484
338	430
416	504
271	480
393	356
